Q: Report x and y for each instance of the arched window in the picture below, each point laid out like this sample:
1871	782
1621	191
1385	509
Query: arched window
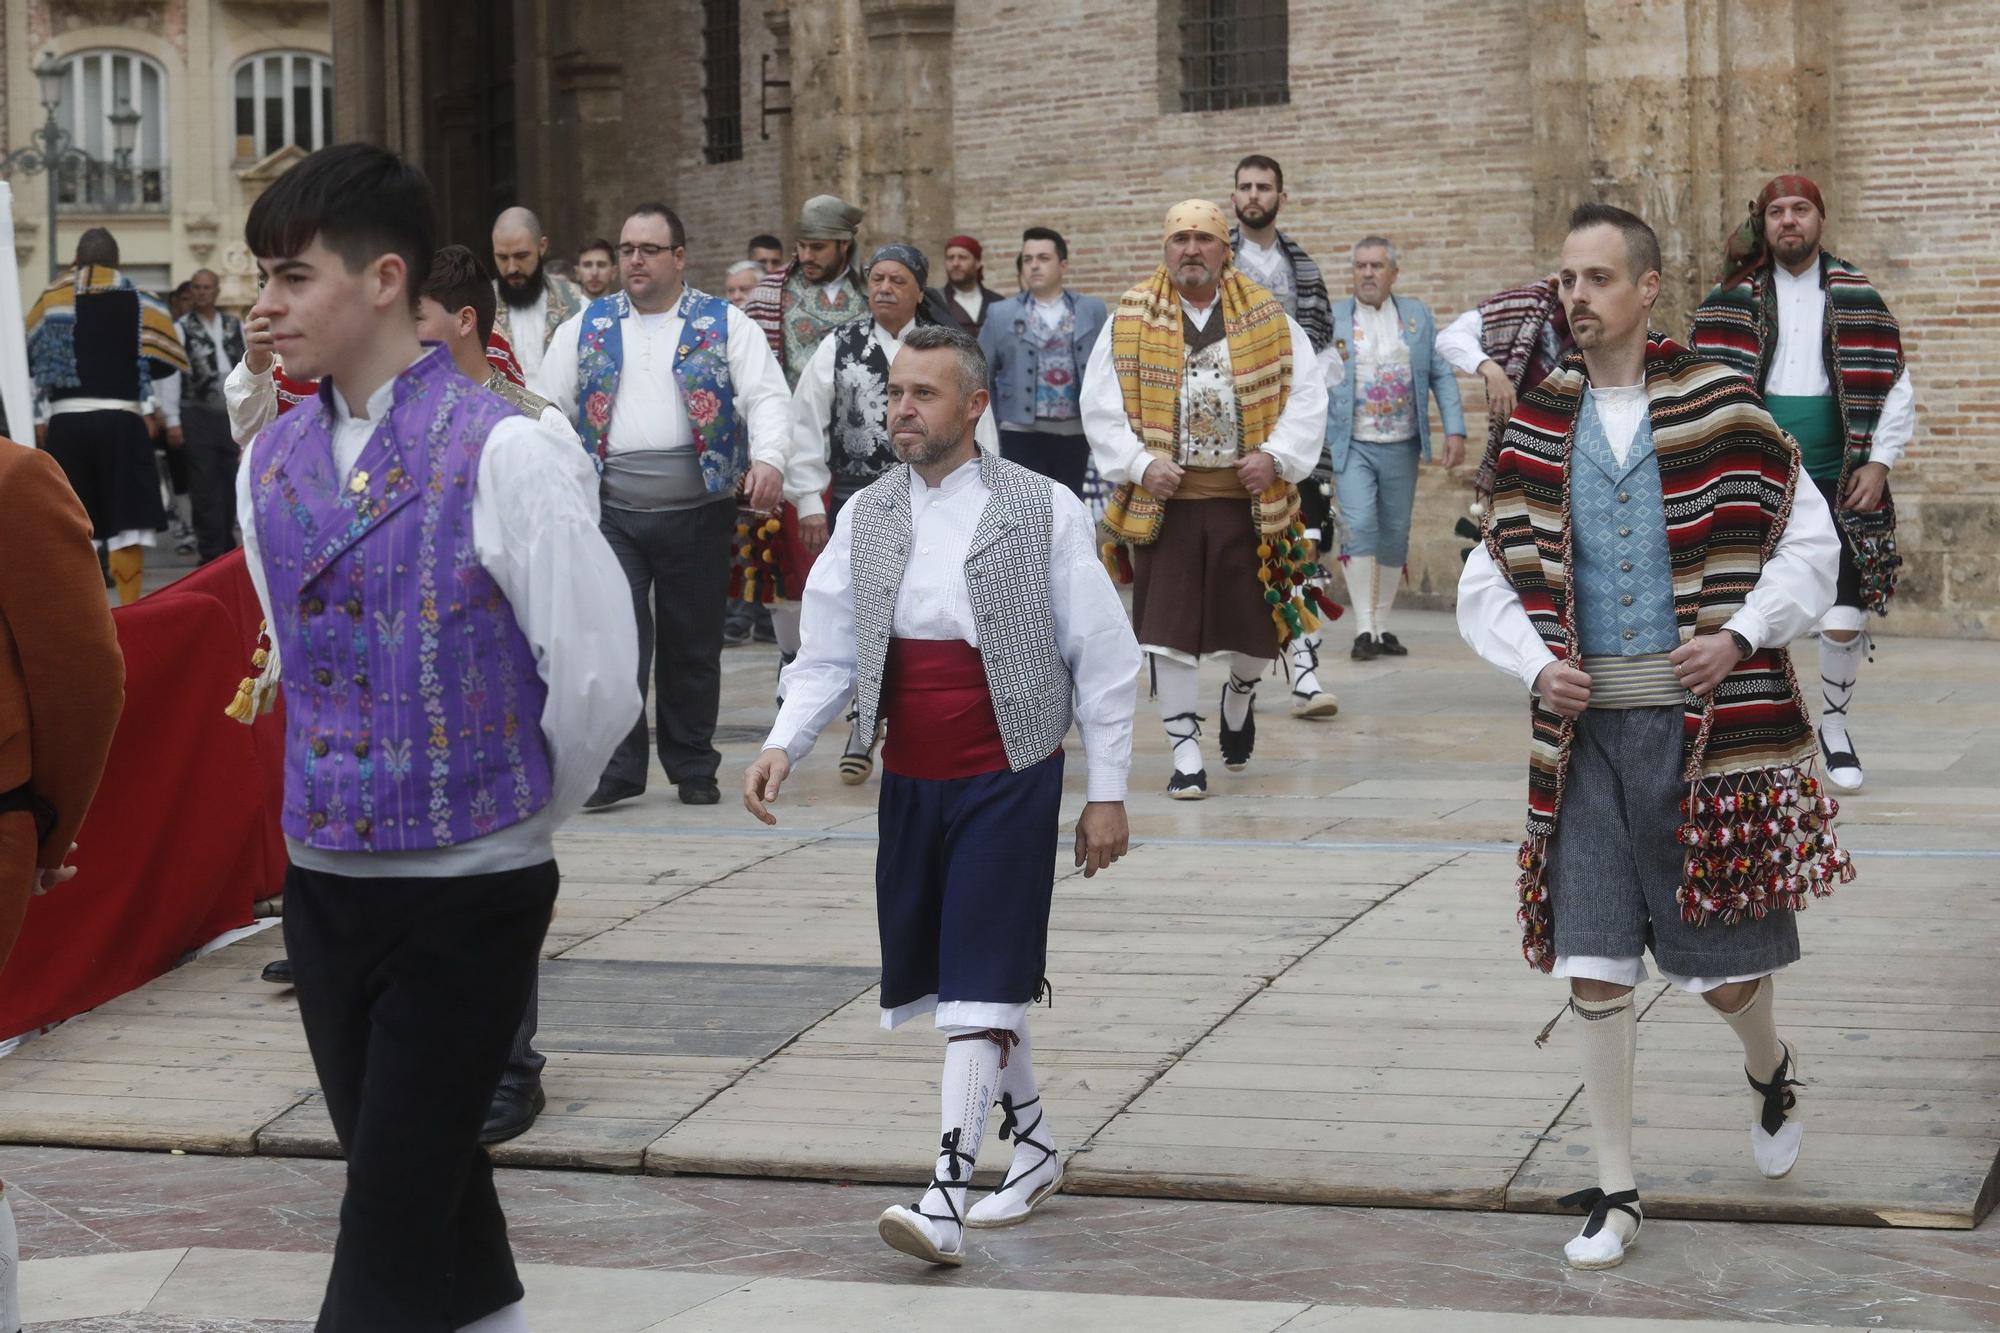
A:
283	97
96	84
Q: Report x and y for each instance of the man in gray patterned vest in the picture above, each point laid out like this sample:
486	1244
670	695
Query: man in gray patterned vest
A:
961	597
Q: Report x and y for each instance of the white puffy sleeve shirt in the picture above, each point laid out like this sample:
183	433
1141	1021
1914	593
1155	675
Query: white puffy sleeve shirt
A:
1296	441
1093	634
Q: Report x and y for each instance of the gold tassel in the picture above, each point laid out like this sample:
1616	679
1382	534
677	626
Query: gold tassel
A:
243	707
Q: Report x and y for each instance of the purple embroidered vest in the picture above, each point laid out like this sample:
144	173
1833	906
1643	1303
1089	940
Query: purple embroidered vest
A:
412	704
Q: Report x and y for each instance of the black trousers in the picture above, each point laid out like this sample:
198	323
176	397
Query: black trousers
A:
1062	458
211	464
411	991
677	563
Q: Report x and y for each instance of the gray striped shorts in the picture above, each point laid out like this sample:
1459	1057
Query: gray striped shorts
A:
1614	864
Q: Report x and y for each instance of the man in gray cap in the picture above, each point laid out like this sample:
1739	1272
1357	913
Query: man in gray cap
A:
808	298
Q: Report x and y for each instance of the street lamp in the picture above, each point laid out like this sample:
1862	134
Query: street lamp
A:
51	150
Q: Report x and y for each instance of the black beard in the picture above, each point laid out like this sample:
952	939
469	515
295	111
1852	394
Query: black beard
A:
520	293
1255	219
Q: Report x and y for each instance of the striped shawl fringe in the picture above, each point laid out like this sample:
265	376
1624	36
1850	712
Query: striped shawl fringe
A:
1759	834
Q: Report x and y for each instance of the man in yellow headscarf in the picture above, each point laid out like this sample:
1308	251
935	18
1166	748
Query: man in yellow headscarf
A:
1205	408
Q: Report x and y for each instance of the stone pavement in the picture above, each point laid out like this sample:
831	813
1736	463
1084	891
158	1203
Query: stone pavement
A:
1304	989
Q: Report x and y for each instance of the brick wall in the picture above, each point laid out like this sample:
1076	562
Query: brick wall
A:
723	205
1918	149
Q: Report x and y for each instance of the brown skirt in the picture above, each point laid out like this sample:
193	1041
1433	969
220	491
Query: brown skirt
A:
1196	590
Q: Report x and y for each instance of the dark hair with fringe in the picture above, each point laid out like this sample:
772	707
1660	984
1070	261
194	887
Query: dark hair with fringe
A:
360	201
456	281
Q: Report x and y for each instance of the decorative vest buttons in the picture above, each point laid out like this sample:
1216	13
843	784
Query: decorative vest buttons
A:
320	747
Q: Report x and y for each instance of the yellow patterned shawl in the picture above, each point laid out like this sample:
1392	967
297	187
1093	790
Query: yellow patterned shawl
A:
1148	349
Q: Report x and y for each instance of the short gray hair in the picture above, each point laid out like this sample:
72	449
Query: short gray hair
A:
971	361
744	266
1376	243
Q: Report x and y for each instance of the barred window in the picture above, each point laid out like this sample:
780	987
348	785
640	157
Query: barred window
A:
722	80
1234	53
283	97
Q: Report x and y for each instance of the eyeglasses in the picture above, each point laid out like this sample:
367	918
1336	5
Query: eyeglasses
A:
649	251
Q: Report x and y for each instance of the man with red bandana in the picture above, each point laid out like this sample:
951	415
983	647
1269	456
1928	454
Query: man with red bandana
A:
1816	338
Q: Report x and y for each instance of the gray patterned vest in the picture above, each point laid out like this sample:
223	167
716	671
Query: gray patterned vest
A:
1007	577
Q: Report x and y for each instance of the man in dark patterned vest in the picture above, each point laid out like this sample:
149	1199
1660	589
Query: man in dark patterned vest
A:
677	397
457	657
1685	827
1817	339
197	419
962	598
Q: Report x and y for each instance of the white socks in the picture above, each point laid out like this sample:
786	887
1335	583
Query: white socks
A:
1244	673
508	1319
1177	684
1305	674
10	1268
785	625
1035	1169
1359	570
1608	1031
1839	668
1756	1027
970	1086
1388	578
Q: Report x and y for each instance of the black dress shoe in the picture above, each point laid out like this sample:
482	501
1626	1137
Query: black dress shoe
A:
1389	646
700	791
610	791
278	972
1365	649
512	1114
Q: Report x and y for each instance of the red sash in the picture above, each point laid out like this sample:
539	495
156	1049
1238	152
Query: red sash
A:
939	712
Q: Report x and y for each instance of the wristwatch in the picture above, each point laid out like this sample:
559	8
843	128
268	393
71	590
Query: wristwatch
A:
1743	648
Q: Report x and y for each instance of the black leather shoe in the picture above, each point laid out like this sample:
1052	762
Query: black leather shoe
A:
700	791
610	791
278	972
1365	649
1389	646
513	1113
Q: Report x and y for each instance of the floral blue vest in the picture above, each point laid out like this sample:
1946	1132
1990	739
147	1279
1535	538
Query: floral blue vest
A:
701	372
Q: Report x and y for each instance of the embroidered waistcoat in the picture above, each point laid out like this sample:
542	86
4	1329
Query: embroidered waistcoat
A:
858	435
701	374
412	701
1624	577
1007	577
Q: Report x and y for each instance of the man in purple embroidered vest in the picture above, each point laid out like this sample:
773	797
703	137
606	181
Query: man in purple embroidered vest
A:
677	397
419	548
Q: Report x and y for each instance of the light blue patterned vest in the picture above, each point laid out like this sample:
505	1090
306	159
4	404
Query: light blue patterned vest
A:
1624	582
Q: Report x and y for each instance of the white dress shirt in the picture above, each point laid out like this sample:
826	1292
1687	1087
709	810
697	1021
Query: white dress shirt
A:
1798	362
1092	632
1461	343
524	332
649	413
252	400
1296	441
971	302
812	415
534	526
1794	590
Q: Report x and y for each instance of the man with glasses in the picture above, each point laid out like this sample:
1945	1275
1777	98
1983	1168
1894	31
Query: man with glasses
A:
675	393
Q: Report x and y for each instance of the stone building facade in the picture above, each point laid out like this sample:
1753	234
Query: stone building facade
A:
1463	131
230	92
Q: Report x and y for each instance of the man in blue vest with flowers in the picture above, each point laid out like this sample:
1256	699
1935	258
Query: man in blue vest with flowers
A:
677	397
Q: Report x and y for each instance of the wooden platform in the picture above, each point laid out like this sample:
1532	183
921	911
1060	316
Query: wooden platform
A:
1307	988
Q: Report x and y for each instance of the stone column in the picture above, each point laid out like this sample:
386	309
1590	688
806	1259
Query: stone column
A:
906	146
828	59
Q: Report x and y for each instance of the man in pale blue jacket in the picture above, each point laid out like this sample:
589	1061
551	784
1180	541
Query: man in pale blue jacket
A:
1377	425
1036	345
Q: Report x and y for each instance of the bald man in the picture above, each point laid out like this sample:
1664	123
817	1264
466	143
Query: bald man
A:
533	301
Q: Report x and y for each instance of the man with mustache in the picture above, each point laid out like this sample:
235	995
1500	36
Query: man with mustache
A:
840	426
1279	264
818	291
1658	817
961	597
1205	407
1511	341
967	297
1816	338
533	301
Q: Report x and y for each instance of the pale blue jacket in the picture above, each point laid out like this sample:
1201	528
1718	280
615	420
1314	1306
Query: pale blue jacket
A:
1426	370
1012	363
